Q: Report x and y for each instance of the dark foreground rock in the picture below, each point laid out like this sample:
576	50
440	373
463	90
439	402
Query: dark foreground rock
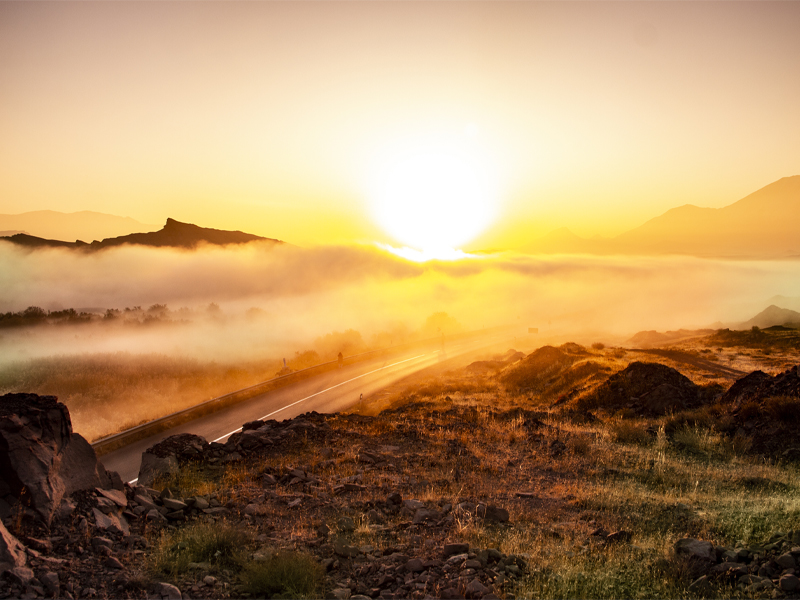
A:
41	459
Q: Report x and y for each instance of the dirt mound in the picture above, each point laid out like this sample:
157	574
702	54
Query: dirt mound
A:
538	366
758	386
646	388
766	411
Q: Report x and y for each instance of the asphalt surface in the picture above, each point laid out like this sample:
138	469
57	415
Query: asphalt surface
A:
326	393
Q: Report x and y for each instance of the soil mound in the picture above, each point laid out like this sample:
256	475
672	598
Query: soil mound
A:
538	366
758	386
647	388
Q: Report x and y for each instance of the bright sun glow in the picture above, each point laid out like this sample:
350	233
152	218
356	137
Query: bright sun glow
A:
434	196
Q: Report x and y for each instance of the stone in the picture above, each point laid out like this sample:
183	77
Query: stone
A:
174	504
423	515
154	467
451	549
341	593
415	565
344	550
789	583
154	515
50	582
200	503
475	589
695	549
165	591
99	541
43	455
411	504
209	580
786	561
251	509
493	513
12	552
116	496
112	563
20	575
457	559
112	522
66	509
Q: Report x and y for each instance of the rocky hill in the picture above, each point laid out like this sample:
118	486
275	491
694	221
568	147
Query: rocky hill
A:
761	225
174	234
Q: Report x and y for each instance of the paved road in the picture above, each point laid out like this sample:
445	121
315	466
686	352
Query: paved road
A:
326	393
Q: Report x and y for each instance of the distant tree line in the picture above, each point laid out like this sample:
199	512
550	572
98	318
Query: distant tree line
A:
35	316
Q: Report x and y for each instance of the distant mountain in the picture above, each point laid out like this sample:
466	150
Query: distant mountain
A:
173	235
764	224
84	225
771	316
785	302
649	339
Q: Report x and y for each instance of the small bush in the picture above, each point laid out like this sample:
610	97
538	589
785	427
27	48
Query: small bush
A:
598	346
290	574
219	544
579	445
625	432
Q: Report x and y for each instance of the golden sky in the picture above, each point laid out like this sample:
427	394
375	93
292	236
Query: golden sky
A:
283	118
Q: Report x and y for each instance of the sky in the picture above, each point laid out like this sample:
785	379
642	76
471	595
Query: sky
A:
306	121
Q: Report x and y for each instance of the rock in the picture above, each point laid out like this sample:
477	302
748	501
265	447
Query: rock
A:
154	467
174	504
696	549
251	509
112	563
789	583
50	582
165	591
493	513
99	541
475	589
116	496
209	580
415	565
114	523
12	552
200	503
43	455
457	559
344	550
20	575
786	561
341	593
394	499
423	515
66	509
411	504
451	549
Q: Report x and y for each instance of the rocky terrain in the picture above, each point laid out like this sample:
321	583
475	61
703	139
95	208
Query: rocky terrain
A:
567	472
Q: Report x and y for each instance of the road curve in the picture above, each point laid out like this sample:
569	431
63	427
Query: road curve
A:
325	393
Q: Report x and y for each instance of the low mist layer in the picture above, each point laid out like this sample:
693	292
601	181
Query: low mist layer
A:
273	301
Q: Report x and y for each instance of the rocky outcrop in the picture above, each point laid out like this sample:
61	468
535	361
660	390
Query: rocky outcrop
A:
163	459
646	388
758	386
41	460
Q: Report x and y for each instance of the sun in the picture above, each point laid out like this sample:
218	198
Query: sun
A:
434	196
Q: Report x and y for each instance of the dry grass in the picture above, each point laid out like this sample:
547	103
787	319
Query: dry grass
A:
106	393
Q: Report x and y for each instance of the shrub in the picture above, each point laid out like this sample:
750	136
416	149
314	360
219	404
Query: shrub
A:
290	574
219	544
626	432
598	346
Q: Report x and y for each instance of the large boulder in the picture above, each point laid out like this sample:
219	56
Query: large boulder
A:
41	459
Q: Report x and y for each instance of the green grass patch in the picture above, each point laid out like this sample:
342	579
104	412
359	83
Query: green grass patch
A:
219	544
287	574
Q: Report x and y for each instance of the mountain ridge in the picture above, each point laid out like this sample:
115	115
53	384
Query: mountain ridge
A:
174	234
763	224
